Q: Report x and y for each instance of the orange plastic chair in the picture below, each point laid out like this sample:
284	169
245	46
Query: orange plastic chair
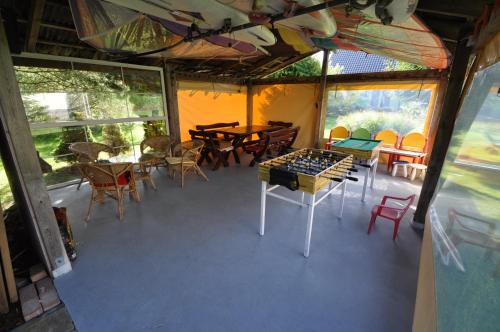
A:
389	139
361	133
413	142
337	134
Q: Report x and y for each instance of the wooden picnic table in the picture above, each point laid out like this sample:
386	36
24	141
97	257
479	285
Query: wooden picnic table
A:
239	133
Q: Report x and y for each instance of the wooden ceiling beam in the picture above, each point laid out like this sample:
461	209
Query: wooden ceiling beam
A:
49	25
468	9
77	46
183	76
34	22
394	76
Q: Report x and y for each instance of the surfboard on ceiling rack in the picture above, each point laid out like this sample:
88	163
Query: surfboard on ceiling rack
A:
320	23
206	14
123	31
297	39
183	31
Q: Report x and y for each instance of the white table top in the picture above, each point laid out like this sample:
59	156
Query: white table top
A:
407	153
130	159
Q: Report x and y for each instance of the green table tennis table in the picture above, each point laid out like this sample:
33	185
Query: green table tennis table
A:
365	152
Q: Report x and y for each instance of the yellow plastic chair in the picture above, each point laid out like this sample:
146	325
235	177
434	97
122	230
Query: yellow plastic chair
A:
338	133
388	137
361	133
413	142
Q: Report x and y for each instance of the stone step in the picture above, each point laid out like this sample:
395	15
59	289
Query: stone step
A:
30	302
47	294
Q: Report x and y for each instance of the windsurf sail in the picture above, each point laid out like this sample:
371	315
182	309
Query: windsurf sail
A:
410	41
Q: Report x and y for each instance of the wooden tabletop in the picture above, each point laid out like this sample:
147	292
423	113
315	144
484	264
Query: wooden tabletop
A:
244	130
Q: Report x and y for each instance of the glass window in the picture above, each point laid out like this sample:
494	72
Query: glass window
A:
59	95
465	215
89	103
376	109
6	198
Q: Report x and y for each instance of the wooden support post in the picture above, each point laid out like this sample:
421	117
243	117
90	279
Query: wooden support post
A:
249	104
445	128
436	113
23	168
424	316
321	103
172	104
6	261
34	23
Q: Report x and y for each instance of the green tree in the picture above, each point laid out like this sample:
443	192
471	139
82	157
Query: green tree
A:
34	111
113	136
69	135
396	65
154	128
305	67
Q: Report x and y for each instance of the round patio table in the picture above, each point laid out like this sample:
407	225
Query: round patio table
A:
143	163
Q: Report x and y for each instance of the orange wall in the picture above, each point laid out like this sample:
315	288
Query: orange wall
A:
290	103
209	106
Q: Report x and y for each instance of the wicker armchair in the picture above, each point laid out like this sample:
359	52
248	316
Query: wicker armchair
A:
109	179
185	159
159	147
88	152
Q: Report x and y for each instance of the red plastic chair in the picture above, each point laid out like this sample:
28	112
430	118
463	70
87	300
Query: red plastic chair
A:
389	212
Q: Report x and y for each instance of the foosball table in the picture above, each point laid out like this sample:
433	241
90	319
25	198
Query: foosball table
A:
309	171
365	153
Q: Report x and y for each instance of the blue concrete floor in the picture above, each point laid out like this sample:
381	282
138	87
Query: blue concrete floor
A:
191	260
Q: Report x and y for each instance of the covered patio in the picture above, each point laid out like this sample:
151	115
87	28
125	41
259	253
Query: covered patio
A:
180	261
250	165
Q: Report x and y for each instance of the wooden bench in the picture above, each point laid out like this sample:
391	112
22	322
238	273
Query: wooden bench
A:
273	143
218	148
280	124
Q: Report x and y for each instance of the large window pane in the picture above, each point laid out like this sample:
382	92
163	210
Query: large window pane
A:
80	102
103	93
465	215
402	110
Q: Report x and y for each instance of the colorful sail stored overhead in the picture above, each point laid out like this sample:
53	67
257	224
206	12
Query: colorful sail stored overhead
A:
410	41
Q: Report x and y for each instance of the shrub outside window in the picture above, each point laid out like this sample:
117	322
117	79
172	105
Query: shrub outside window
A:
403	108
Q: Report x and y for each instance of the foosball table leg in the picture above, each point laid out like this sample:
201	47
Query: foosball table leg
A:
365	184
342	197
263	195
310	217
374	173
